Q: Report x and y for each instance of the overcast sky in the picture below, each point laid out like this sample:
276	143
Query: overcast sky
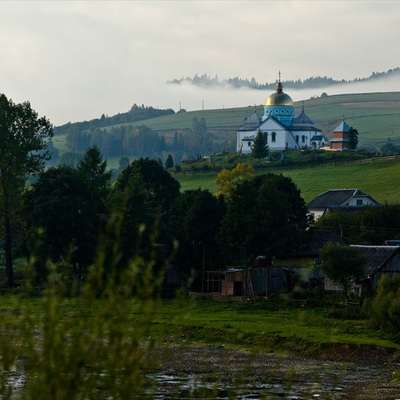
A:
75	60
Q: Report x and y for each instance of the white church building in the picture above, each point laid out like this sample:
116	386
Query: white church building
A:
281	128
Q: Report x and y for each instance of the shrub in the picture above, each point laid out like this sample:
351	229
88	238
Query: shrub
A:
97	345
385	306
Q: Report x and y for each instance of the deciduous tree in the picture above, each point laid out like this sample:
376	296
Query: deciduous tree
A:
227	181
23	151
266	215
342	264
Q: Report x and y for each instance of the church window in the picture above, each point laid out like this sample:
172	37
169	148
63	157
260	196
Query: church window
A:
303	139
276	111
249	144
282	111
297	138
266	136
273	136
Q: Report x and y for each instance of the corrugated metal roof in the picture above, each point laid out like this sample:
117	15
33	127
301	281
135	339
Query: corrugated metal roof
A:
376	257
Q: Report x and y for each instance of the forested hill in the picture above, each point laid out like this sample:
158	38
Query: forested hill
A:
309	83
135	114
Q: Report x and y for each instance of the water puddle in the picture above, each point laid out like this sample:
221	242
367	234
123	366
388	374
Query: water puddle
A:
195	386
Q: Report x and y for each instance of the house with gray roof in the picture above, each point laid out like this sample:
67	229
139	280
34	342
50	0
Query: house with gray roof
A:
339	198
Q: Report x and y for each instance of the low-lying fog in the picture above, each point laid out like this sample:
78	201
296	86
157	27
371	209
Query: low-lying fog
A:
192	97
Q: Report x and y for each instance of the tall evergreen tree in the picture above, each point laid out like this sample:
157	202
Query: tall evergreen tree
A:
260	146
169	162
353	138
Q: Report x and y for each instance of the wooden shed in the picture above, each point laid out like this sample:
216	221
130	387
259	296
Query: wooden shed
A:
380	260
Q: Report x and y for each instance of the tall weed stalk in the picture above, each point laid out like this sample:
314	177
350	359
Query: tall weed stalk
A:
95	344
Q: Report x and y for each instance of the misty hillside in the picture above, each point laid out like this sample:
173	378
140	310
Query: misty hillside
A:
309	83
186	135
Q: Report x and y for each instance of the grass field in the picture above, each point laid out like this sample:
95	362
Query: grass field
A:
378	178
258	326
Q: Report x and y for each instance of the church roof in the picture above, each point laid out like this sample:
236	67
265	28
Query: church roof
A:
303	119
279	98
318	137
251	123
343	127
276	120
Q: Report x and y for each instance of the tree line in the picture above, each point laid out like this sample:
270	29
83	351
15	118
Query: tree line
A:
142	141
135	114
74	214
312	82
71	214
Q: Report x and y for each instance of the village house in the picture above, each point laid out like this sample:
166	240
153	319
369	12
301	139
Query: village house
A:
339	198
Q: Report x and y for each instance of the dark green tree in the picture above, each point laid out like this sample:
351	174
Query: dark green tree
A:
353	138
260	146
169	162
59	216
92	169
266	216
142	197
194	222
342	264
23	151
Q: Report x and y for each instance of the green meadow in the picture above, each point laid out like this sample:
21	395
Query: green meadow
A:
377	177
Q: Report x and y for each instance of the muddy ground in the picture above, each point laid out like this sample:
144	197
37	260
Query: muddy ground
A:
342	373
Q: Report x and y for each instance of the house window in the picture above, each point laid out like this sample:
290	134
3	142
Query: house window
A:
359	202
303	139
273	137
249	144
297	138
318	261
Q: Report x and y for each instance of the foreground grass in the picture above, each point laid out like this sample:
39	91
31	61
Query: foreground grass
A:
263	326
105	347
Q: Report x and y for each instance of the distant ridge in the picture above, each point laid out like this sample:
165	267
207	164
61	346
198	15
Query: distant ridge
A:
309	83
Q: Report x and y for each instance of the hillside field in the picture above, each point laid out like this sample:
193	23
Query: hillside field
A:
376	116
379	178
